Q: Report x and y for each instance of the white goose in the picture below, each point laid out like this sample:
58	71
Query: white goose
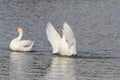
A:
64	46
20	45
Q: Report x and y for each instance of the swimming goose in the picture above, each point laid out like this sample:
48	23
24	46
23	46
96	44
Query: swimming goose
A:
21	45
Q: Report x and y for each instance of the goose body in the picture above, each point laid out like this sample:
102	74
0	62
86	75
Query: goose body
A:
21	45
65	45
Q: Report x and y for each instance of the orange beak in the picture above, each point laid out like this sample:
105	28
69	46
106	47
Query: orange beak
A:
17	28
61	30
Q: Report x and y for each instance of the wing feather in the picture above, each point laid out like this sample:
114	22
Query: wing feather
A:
26	43
53	37
70	38
69	34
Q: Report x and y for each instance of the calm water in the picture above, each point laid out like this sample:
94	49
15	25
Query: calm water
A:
96	24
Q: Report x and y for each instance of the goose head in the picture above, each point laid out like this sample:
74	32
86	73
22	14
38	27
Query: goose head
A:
18	29
61	31
63	34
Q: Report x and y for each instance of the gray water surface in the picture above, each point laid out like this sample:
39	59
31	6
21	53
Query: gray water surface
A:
96	24
36	66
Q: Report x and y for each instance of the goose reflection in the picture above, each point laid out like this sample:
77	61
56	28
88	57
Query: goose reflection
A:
18	61
25	66
62	68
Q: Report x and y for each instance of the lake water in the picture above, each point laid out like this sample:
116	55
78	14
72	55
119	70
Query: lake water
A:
96	24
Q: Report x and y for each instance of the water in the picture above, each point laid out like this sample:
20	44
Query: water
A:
96	26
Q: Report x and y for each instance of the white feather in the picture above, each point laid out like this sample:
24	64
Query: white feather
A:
21	45
53	37
65	45
26	43
70	37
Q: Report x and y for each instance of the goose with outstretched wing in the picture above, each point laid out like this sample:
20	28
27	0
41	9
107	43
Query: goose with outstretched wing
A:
65	45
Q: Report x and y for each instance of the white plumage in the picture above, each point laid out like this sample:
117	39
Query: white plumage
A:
53	37
65	45
21	45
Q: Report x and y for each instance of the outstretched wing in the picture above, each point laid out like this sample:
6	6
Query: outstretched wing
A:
53	37
70	37
69	34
